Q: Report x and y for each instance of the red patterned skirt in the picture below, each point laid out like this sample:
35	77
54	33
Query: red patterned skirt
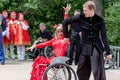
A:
37	69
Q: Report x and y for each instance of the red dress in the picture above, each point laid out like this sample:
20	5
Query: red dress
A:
12	26
22	36
18	35
26	37
59	50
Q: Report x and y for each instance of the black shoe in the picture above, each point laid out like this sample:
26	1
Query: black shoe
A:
76	63
2	63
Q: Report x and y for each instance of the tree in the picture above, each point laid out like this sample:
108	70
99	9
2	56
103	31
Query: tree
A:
51	12
112	18
37	11
99	7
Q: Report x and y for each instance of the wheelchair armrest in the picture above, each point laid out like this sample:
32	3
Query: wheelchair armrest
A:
59	60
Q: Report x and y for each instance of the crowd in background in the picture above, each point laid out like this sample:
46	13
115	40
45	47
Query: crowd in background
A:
14	33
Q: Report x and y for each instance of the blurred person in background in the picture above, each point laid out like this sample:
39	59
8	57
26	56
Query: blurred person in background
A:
43	36
75	39
21	36
2	58
11	32
5	40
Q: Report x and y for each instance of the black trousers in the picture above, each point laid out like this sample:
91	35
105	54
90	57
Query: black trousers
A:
92	63
75	44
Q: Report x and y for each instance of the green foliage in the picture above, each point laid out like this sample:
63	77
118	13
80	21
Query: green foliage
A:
51	12
36	11
106	4
112	17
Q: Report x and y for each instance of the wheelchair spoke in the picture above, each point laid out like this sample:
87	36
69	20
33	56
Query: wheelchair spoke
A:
58	73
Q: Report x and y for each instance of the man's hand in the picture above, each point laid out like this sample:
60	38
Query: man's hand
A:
109	56
39	38
67	8
80	34
65	40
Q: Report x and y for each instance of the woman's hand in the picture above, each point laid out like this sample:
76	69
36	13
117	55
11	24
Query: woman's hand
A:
67	8
30	48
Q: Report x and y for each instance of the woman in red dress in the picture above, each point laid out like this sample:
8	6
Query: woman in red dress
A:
21	37
59	44
4	37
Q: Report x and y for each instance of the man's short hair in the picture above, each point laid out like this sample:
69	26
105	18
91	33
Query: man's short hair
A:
90	5
78	10
42	24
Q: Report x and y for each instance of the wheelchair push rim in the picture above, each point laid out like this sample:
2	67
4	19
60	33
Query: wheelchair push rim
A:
59	71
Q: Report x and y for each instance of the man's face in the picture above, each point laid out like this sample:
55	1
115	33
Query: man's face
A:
42	28
88	12
5	14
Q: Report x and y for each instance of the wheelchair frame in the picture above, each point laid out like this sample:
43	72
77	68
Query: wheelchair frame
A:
59	70
58	65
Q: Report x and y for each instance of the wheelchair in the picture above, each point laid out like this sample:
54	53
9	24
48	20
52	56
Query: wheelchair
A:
58	70
108	64
46	52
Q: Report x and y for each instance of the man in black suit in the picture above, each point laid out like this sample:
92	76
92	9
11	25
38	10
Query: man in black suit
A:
94	42
75	41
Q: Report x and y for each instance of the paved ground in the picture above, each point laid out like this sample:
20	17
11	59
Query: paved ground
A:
16	70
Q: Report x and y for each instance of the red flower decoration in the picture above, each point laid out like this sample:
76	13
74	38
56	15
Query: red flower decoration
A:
55	26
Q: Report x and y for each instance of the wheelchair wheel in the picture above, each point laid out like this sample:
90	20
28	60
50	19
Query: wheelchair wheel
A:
48	51
59	71
109	63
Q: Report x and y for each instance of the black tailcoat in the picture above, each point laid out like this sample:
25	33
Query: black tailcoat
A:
93	33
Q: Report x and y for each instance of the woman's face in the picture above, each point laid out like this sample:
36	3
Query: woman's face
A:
21	17
59	33
13	16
